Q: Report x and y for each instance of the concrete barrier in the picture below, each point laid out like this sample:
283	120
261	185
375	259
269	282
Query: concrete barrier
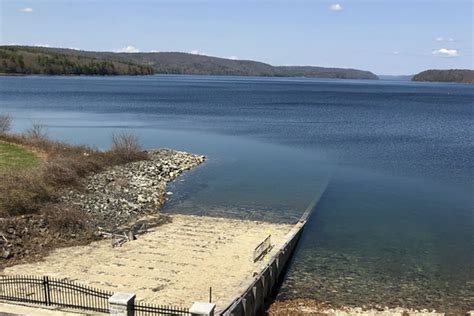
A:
261	288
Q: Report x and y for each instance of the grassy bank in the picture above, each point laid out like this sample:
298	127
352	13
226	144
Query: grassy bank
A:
28	190
34	173
15	157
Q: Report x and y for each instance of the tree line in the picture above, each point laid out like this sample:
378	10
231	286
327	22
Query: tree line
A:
17	61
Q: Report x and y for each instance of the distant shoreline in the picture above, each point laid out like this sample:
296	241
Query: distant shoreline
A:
60	61
465	76
235	76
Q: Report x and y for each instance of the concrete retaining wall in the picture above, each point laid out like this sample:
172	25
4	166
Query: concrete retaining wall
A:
252	300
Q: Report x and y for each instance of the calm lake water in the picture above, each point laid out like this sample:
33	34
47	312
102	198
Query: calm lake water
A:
395	225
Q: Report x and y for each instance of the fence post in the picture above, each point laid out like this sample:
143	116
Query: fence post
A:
47	296
202	309
122	304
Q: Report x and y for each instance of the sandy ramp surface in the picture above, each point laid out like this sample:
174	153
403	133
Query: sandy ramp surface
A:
173	264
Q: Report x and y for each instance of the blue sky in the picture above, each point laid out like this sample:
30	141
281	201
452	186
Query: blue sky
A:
386	37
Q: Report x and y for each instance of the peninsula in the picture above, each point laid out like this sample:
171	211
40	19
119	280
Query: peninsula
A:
451	75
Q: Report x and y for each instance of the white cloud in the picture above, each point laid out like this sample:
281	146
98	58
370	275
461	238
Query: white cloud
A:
42	45
445	39
197	52
127	49
445	52
335	7
26	10
233	57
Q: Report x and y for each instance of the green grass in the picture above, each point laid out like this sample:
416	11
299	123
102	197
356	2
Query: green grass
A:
15	157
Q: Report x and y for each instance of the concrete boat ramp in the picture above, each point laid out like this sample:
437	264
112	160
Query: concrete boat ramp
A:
173	264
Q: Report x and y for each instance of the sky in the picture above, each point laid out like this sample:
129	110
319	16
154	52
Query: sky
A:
388	37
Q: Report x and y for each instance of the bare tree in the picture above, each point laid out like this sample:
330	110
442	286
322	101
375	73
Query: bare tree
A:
125	141
37	131
5	123
126	147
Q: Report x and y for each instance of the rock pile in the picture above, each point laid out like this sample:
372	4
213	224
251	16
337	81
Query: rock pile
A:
29	237
124	193
11	238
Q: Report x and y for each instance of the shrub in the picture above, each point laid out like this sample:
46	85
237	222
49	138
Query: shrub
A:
23	192
126	148
63	166
66	220
5	123
59	172
68	167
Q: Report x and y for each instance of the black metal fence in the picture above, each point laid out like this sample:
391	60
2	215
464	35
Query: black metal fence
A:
53	292
142	309
62	293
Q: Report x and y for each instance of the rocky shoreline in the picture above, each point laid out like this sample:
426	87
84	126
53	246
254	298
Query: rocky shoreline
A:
118	200
124	193
313	307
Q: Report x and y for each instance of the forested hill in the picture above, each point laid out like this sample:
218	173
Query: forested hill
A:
184	63
32	60
452	75
172	63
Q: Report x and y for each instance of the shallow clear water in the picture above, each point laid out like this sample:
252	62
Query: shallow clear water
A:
396	223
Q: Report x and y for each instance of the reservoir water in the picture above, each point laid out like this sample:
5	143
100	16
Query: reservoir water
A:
395	226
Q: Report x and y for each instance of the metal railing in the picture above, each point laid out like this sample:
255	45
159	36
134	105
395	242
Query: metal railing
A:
44	290
145	309
262	249
53	292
